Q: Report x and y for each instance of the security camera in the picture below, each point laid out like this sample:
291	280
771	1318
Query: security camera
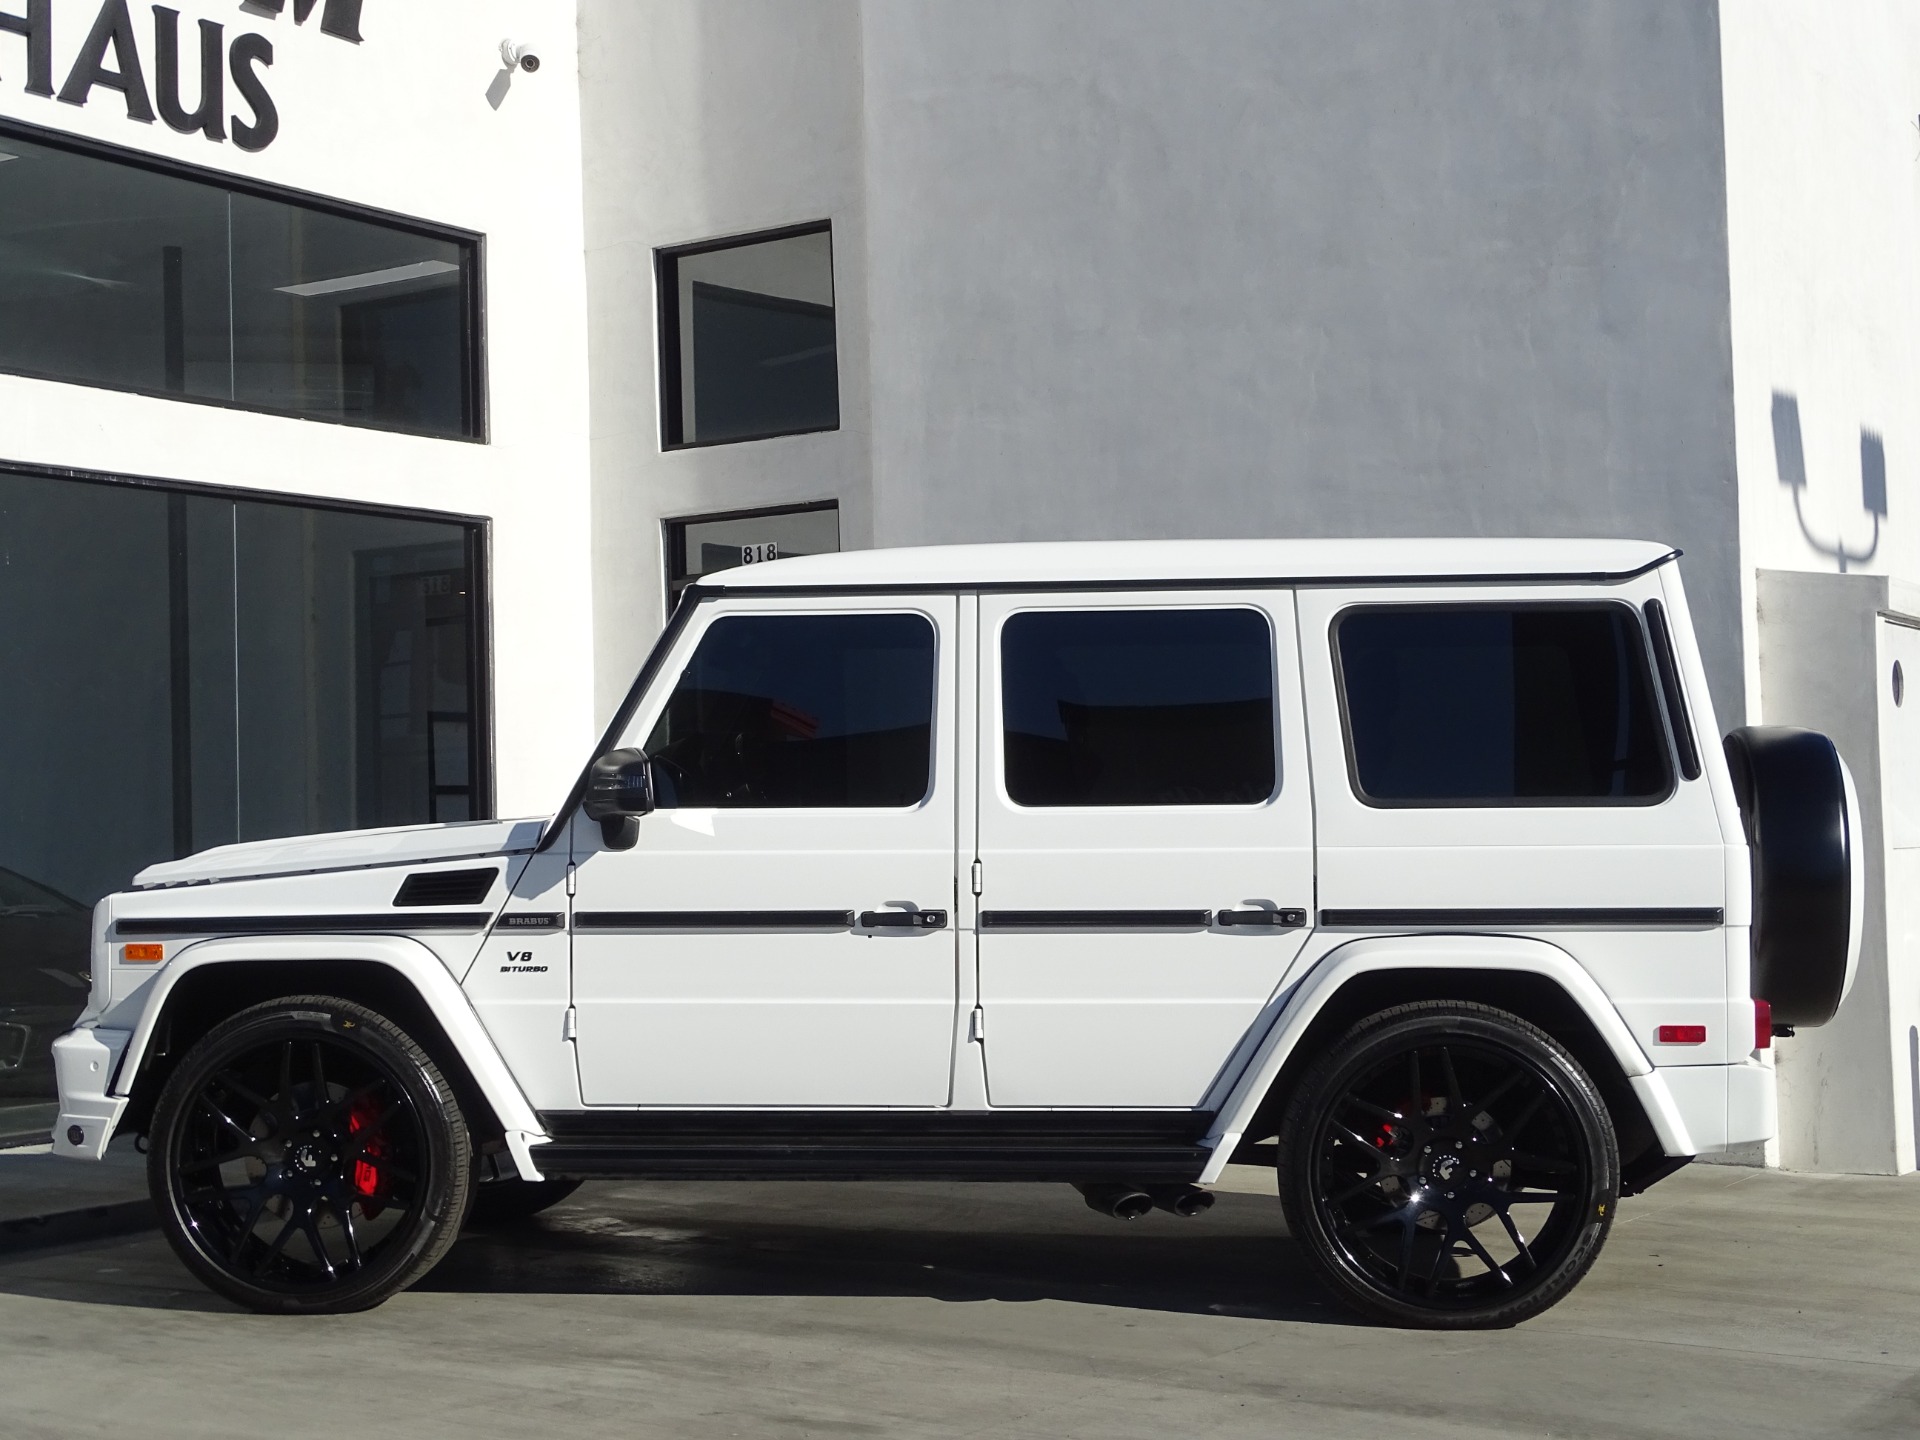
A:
524	56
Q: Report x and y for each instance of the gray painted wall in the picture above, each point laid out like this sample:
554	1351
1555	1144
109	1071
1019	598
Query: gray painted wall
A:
1128	268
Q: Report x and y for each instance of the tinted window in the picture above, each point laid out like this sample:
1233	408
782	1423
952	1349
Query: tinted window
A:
1138	707
778	711
114	274
1469	704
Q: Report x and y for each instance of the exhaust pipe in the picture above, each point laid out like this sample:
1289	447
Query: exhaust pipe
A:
1186	1201
1122	1202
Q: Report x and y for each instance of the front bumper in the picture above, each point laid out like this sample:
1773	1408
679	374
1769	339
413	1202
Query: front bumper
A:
84	1062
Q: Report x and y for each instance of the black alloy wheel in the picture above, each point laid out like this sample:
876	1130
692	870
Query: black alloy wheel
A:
307	1157
1447	1165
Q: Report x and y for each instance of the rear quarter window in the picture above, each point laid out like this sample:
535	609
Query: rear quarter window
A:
1478	705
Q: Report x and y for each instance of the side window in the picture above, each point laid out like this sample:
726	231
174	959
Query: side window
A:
789	711
1138	707
1483	705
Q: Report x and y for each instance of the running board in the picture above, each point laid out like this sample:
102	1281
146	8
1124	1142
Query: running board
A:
1152	1147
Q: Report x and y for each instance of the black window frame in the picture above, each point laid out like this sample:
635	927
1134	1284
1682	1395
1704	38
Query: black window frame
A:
666	285
478	532
472	281
1210	807
1642	658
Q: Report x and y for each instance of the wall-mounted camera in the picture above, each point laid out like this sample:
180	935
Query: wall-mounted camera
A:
524	57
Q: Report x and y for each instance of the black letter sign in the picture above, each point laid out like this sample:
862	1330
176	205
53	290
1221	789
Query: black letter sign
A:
209	118
240	60
90	69
37	26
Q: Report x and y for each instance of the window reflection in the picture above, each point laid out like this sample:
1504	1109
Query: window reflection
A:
113	274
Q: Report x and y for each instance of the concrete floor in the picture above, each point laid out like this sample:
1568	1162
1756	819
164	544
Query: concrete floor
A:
1728	1303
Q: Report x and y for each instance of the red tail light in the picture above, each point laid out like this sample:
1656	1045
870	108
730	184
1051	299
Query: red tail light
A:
1763	1024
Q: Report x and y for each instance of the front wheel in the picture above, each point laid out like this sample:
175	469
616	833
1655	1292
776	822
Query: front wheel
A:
307	1157
1448	1166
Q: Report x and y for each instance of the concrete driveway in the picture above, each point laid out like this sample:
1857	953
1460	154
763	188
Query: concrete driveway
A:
1728	1303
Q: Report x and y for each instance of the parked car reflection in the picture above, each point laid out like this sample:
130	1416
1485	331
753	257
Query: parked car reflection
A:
44	978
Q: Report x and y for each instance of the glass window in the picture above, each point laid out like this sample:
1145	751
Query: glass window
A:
722	542
1464	705
1138	707
118	275
747	338
241	669
783	711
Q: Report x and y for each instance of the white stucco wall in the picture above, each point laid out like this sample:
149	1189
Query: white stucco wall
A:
1823	198
402	122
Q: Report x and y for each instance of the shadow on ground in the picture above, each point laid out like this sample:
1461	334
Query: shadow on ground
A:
982	1242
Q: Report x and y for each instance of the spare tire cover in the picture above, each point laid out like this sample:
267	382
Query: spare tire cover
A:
1793	799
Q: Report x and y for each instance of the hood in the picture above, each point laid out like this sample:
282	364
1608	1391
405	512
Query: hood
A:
346	850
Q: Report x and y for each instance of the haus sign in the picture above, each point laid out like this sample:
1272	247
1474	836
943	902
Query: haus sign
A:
110	59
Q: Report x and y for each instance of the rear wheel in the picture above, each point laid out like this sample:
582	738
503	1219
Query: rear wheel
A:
1448	1166
308	1157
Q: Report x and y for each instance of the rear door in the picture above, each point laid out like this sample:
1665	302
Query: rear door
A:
1145	838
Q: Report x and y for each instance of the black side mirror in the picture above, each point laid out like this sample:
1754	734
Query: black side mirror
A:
619	792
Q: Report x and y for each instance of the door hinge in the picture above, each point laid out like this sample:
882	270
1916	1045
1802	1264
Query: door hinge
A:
570	1029
977	1027
570	871
979	877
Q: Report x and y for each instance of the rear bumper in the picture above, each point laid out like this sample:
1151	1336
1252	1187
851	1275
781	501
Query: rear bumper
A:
1707	1109
84	1062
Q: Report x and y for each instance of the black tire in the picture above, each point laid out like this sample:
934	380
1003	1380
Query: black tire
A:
1792	789
507	1202
307	1157
1401	1167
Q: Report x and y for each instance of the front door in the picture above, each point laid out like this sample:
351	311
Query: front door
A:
781	934
1146	840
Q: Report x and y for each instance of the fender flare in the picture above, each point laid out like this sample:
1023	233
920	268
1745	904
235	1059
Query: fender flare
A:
1313	990
414	962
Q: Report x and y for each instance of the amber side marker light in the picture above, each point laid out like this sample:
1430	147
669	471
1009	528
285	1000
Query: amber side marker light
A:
1681	1035
142	954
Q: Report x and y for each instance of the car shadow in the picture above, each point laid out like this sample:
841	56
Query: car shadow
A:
955	1243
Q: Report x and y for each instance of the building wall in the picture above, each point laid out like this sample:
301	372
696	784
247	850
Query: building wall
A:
702	119
1823	195
1313	268
407	121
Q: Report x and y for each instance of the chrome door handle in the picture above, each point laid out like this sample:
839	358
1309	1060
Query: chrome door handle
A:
903	919
1278	919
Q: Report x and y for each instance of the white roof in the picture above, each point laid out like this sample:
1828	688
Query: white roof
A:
1108	562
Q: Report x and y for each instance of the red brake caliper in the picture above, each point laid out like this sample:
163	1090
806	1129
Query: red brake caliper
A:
366	1172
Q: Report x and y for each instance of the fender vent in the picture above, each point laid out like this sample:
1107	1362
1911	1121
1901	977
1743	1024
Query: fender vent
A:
446	887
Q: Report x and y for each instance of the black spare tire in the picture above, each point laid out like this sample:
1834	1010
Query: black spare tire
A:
1802	832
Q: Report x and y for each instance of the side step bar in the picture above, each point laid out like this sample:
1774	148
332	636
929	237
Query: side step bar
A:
1135	1147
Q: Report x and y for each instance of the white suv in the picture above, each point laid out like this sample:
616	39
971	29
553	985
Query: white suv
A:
1406	866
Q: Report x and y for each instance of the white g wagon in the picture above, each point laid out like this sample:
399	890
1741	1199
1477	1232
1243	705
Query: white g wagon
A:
1409	867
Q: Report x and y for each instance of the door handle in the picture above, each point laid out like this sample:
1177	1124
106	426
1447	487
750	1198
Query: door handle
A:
903	919
1278	919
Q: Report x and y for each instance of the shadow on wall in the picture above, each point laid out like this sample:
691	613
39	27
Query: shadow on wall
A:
1913	1061
1790	460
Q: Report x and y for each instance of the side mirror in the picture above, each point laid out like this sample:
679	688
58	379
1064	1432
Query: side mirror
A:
619	792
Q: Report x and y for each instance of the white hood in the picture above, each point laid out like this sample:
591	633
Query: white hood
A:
347	850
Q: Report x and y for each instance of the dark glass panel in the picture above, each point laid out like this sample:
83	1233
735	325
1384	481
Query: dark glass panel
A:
1138	707
786	711
1466	704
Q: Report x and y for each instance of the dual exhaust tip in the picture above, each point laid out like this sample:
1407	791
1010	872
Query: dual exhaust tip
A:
1130	1202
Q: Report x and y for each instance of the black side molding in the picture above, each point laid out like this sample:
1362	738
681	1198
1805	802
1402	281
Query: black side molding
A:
1518	919
387	924
713	920
1095	919
531	920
